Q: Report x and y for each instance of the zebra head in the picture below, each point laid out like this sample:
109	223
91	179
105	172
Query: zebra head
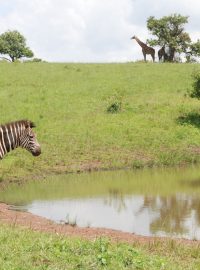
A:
28	139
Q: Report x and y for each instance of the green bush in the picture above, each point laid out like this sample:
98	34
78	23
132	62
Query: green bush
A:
114	104
196	85
115	107
37	60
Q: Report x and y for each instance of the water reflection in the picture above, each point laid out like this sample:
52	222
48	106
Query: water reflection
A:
173	213
150	202
146	215
116	200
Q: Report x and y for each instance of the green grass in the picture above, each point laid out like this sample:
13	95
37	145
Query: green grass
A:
157	124
24	249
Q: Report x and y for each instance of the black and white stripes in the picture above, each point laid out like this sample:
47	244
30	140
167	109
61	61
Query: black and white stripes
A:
19	133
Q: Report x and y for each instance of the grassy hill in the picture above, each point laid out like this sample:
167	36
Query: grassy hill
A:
154	122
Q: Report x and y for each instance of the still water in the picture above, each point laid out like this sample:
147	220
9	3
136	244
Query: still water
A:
163	202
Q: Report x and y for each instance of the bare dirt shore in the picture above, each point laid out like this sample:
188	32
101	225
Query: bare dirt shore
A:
36	223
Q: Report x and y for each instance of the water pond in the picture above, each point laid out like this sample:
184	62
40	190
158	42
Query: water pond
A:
164	202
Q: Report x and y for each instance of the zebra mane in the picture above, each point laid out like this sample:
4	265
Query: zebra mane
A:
26	123
29	123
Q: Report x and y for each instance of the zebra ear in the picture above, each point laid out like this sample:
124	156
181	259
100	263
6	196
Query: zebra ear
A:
30	124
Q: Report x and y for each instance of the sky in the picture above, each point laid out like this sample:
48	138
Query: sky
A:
90	30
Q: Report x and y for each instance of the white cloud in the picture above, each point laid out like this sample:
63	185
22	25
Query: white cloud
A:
90	30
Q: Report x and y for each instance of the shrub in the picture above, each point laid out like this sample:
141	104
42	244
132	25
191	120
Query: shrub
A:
195	93
114	103
37	60
115	107
34	60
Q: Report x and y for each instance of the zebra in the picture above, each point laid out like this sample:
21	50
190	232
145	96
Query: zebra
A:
18	133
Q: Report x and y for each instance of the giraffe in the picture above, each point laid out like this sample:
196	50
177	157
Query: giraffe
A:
145	49
162	54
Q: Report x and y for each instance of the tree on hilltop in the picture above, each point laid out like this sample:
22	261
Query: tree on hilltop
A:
169	31
13	44
195	48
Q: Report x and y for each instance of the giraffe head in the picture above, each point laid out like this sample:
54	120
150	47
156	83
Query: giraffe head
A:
133	37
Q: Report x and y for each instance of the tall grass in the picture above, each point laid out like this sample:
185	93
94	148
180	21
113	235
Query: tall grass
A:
69	104
24	249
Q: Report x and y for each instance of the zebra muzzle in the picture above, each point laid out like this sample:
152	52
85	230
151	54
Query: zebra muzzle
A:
36	152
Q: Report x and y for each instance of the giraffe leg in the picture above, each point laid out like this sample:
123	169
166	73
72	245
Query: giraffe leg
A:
144	56
153	57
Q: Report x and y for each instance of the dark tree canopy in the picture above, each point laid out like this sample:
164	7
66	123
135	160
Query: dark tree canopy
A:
169	31
13	44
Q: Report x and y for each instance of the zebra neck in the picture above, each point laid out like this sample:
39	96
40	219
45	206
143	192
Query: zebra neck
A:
9	138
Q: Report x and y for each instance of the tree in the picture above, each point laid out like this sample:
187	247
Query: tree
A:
195	48
193	52
13	44
169	31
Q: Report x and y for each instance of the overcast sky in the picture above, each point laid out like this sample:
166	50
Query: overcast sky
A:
90	30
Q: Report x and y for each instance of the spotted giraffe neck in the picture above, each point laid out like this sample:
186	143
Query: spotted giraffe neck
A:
142	44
